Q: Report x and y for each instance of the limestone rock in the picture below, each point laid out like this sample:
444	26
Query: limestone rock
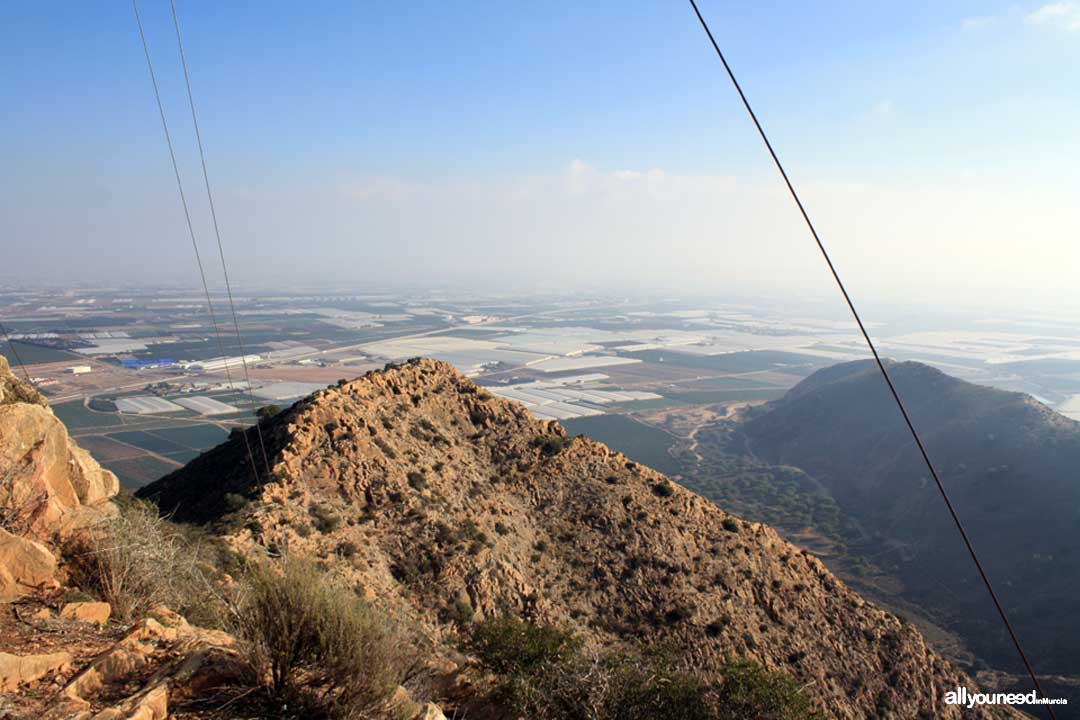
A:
158	656
17	670
15	390
430	711
49	487
49	480
90	612
25	566
151	704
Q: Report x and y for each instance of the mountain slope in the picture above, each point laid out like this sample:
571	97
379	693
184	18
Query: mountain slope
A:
1009	464
441	502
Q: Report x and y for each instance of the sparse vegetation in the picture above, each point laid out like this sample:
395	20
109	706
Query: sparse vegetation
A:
322	650
326	518
460	613
138	560
267	411
416	480
750	691
551	446
546	673
234	502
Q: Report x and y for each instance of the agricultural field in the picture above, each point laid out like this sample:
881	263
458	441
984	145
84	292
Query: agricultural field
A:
640	442
141	470
737	362
194	437
709	397
35	354
147	441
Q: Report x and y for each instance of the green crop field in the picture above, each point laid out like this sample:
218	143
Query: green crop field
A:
195	437
33	354
708	397
77	417
183	456
136	472
639	442
147	441
748	361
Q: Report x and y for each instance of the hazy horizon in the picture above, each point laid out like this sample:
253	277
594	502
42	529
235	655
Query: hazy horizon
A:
555	147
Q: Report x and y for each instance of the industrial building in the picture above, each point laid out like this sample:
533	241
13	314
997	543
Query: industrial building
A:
206	405
221	363
146	405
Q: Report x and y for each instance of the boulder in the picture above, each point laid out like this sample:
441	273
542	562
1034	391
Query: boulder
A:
151	704
430	711
49	488
17	670
50	482
90	612
25	566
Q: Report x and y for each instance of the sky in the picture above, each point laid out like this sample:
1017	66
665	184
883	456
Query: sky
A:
552	146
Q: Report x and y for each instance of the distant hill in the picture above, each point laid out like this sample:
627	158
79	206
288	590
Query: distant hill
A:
1009	464
446	503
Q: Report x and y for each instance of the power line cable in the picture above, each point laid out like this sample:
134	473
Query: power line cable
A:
187	218
15	354
217	233
877	359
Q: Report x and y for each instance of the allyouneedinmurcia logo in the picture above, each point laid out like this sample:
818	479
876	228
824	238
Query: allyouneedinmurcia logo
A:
962	696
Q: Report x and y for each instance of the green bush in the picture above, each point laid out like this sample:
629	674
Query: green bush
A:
319	649
509	646
234	502
731	525
552	445
546	672
664	489
416	479
460	613
326	518
751	691
267	411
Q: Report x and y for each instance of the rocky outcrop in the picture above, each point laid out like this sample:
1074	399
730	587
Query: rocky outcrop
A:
134	678
90	612
446	504
19	670
49	487
13	390
26	566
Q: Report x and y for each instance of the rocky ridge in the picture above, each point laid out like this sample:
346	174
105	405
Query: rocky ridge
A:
444	504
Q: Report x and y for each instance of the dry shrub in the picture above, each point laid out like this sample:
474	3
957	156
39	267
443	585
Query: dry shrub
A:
316	645
138	560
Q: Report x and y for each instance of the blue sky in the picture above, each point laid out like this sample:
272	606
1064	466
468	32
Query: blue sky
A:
333	125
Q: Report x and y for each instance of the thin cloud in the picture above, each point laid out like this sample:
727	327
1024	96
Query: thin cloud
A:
1058	14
